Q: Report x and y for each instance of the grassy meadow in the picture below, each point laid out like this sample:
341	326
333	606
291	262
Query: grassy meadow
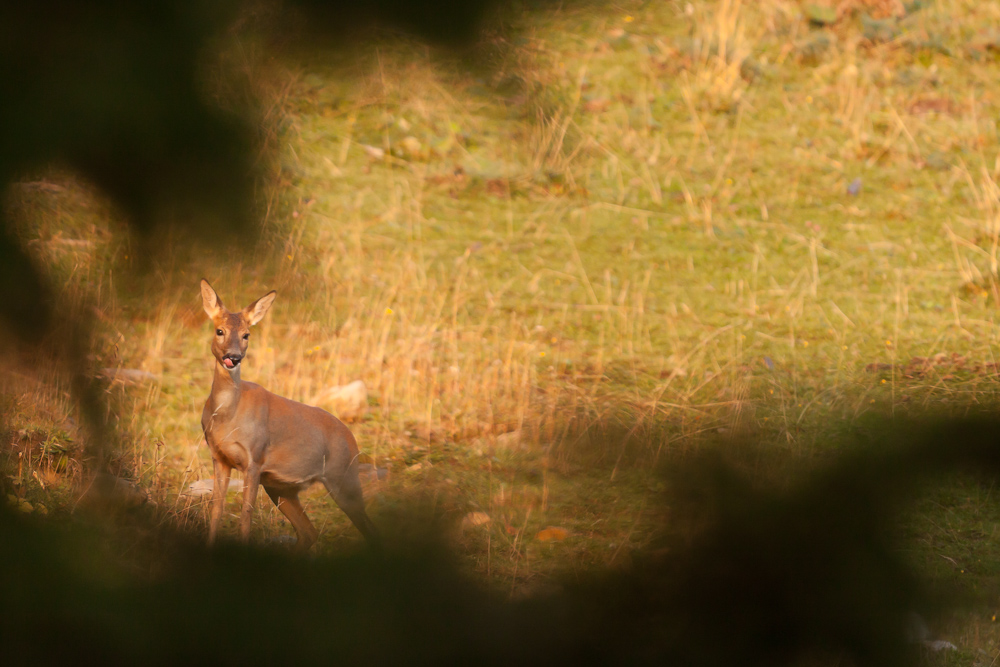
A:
611	236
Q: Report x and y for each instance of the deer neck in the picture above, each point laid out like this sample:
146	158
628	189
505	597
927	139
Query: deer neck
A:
226	391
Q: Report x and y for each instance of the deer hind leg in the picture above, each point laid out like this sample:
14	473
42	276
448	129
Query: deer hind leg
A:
345	490
288	503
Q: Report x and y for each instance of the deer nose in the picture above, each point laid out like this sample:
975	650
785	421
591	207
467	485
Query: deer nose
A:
232	360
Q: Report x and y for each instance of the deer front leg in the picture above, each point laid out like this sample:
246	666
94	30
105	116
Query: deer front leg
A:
220	488
251	483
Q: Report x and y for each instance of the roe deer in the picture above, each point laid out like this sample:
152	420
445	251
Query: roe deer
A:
278	443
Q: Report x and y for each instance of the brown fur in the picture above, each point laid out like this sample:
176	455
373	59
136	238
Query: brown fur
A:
281	444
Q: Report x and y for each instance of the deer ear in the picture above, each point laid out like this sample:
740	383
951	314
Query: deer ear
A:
210	300
255	311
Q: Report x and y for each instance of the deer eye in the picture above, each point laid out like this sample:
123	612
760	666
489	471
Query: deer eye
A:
246	336
219	332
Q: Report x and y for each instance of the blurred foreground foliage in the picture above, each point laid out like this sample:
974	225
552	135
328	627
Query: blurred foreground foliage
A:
121	94
737	575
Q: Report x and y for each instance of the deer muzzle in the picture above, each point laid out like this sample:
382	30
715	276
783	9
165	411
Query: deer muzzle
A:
231	360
